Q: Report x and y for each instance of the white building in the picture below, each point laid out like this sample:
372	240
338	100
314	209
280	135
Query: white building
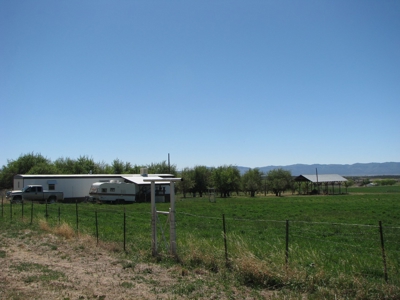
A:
76	187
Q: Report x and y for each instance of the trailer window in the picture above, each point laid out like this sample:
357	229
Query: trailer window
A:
52	187
104	190
112	189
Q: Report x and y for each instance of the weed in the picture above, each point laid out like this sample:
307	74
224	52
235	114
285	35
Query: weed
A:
127	285
46	273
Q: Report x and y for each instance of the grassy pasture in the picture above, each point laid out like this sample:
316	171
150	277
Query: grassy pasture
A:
334	241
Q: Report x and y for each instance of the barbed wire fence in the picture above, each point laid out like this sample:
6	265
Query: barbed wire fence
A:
368	250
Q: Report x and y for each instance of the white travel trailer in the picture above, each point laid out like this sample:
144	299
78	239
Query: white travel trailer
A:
113	192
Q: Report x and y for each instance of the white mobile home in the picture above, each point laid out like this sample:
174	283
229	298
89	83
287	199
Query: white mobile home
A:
76	187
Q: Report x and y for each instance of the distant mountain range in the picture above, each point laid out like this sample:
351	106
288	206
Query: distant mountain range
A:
358	169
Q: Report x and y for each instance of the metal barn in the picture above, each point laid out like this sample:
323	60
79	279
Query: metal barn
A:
321	184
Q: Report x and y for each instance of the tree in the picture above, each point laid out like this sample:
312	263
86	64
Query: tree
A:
23	165
162	168
252	181
226	179
279	180
187	182
201	178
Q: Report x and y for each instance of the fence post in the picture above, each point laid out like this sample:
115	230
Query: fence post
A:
76	210
225	242
383	251
124	229
11	210
22	207
31	212
47	212
97	228
287	244
59	215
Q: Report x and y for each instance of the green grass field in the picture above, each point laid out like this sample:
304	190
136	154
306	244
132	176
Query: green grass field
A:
334	241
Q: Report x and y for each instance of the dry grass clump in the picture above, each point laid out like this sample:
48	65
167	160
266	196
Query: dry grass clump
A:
63	230
43	225
254	272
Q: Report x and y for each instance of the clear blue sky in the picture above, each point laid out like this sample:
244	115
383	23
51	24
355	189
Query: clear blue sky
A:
247	83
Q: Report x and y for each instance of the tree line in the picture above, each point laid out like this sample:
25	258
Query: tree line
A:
197	181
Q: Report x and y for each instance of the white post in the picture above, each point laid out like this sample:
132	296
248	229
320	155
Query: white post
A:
171	213
172	232
153	219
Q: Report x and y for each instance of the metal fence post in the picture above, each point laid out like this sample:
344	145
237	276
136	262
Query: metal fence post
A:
76	210
225	241
124	229
97	228
31	212
383	251
287	244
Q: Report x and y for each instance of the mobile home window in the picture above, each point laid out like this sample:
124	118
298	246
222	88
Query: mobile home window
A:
112	189
52	187
104	190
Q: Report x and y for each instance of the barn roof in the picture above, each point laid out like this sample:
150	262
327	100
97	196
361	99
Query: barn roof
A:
321	178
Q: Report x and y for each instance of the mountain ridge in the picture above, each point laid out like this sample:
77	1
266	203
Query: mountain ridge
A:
356	169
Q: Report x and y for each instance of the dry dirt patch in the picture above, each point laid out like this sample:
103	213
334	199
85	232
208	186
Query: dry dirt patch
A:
49	266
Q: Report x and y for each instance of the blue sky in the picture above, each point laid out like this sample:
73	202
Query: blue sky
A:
247	83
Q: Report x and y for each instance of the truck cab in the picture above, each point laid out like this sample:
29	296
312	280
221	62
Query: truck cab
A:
33	192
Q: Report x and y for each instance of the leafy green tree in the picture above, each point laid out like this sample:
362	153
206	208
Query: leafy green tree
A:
386	181
43	168
187	184
85	165
252	181
226	179
202	178
118	166
22	165
65	165
162	168
279	180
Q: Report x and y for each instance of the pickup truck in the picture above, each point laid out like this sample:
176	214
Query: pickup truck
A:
35	193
